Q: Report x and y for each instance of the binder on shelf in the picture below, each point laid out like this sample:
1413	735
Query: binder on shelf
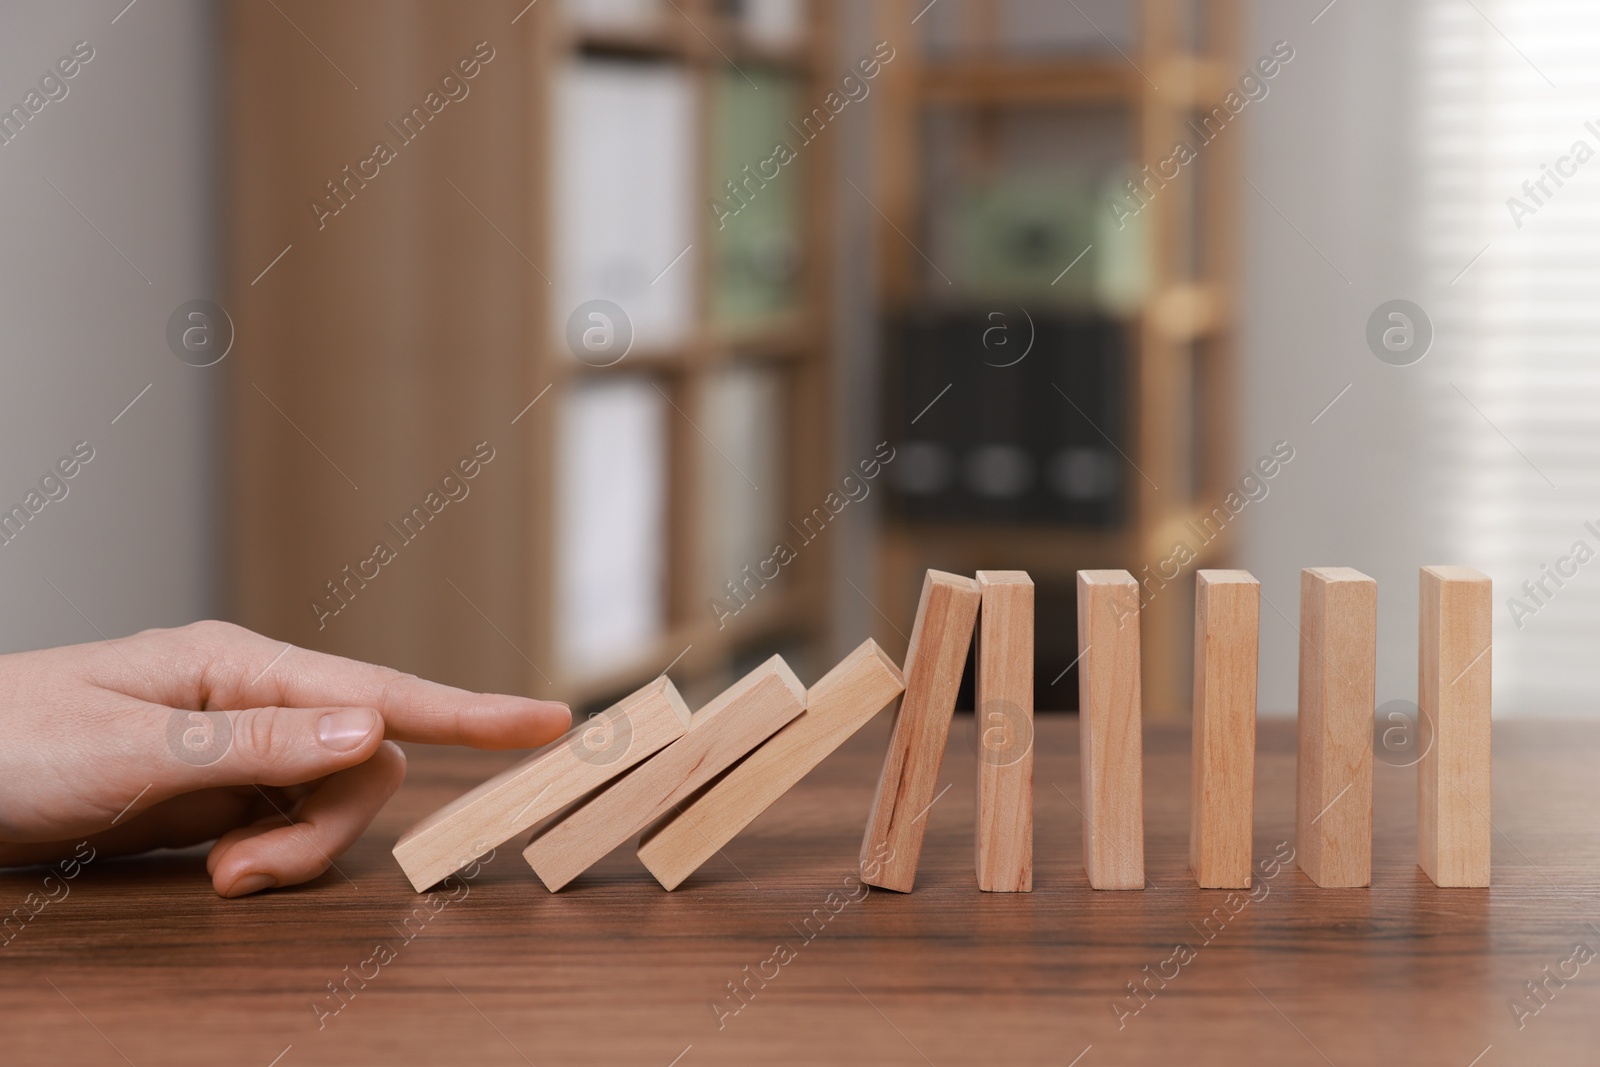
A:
629	16
772	23
611	522
1008	416
624	177
742	470
756	192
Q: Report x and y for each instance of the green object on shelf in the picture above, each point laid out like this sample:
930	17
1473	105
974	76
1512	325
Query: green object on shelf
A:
1121	277
1048	237
756	192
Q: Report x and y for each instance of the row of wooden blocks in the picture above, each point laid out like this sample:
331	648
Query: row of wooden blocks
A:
688	783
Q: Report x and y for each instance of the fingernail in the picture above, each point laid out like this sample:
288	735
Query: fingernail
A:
252	883
345	730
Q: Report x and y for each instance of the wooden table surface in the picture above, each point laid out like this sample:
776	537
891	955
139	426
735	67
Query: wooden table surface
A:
142	964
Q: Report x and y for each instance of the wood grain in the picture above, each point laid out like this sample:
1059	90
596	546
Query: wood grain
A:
1110	729
1404	973
1454	694
1227	628
739	719
842	702
935	659
1338	673
520	797
1004	852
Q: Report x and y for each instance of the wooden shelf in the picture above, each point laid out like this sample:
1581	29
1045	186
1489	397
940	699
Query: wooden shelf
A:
1180	358
658	42
460	335
1023	82
703	646
780	336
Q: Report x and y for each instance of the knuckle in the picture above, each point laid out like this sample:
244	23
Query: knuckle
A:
209	634
259	734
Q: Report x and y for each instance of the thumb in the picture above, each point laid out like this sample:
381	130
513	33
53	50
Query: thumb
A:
266	746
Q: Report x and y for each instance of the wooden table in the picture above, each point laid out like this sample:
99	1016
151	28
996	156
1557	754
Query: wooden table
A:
142	964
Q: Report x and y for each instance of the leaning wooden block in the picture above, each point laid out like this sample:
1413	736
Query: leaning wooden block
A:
738	720
1110	729
935	659
1338	673
1227	625
1453	694
842	702
516	799
1004	724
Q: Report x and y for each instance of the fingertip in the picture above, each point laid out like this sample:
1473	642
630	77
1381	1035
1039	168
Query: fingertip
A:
541	722
557	718
244	884
227	841
348	730
502	721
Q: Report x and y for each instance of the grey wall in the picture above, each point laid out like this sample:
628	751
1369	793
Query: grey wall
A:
1330	147
82	329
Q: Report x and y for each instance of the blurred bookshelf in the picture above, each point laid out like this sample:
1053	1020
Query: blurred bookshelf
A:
1008	129
665	448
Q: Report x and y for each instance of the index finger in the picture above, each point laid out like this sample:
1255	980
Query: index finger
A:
246	669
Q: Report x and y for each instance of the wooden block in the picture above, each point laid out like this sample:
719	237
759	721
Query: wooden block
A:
738	720
843	701
513	801
935	658
1338	669
1227	626
1453	694
1110	729
1004	727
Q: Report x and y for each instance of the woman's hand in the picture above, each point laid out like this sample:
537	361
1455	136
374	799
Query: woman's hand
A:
169	738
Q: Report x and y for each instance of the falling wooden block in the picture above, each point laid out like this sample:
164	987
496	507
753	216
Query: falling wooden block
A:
1110	729
1453	694
935	659
842	702
516	799
1004	725
1338	667
1227	624
738	720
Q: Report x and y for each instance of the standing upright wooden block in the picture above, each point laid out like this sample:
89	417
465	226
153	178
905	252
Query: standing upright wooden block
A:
735	722
1338	668
1110	729
591	754
1453	695
935	658
1227	625
842	701
1004	725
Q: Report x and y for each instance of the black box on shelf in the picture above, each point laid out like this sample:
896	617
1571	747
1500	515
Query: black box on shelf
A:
1005	416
